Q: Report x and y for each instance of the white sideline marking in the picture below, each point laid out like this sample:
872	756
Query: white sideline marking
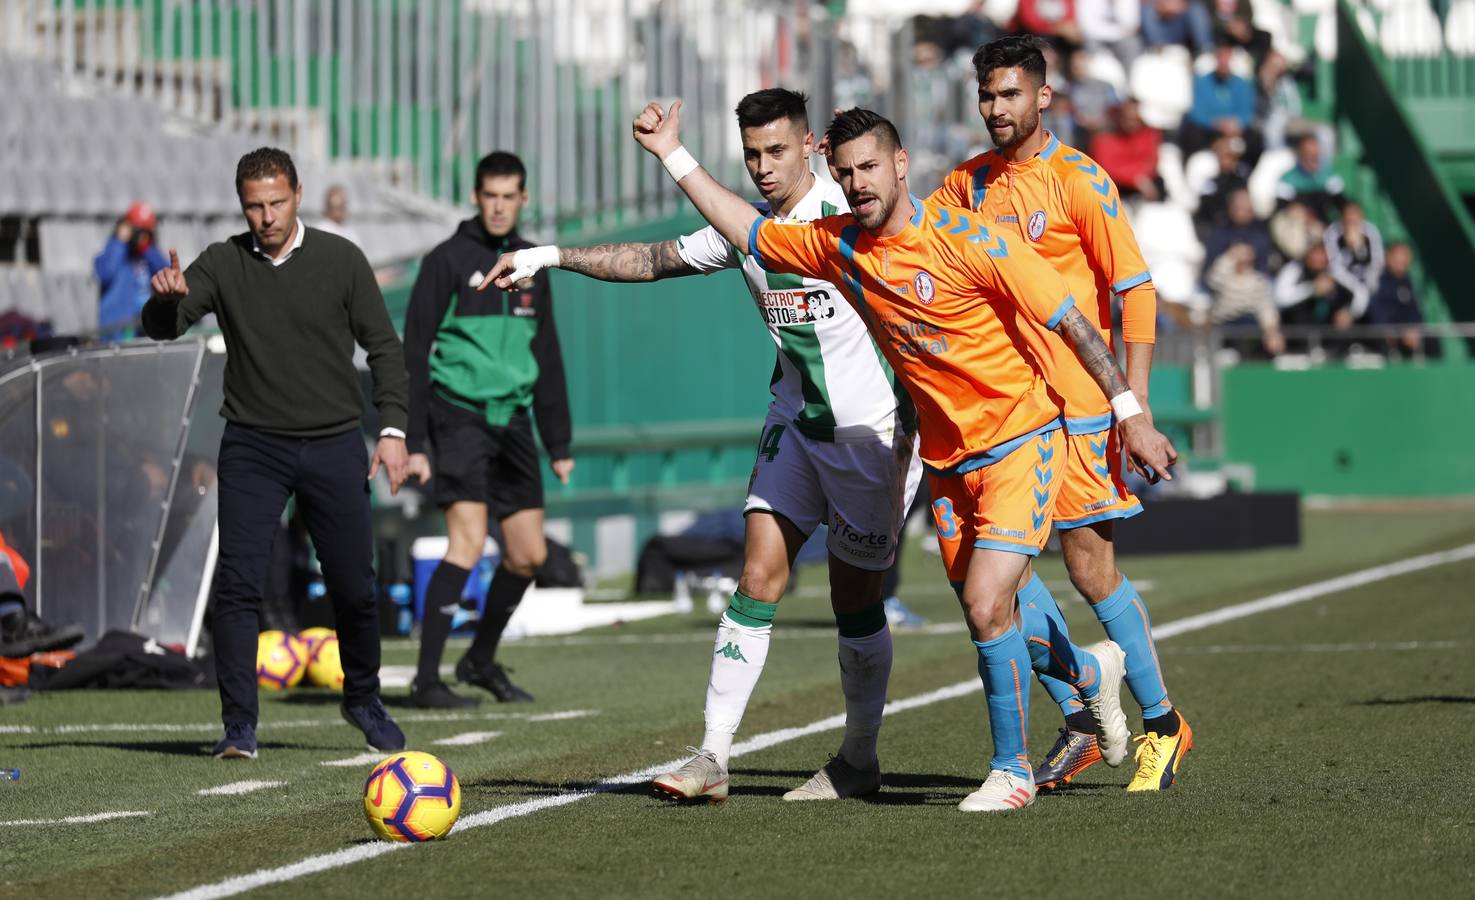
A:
313	864
81	820
467	739
239	787
363	759
1361	647
214	727
1312	591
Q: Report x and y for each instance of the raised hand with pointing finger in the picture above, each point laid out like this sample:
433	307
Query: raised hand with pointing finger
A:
169	283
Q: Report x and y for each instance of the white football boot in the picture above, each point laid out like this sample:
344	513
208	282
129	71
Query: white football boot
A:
838	780
1001	792
699	778
1112	734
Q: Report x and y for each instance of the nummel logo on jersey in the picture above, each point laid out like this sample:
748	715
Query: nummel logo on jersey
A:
1036	224
923	285
797	307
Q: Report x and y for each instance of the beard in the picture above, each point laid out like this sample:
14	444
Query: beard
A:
1017	131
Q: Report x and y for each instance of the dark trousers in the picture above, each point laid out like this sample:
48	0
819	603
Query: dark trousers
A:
257	473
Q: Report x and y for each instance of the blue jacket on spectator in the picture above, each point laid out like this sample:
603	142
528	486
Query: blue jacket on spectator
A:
1213	99
1193	29
125	285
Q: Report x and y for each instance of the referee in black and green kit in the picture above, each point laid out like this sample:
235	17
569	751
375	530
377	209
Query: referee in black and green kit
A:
292	302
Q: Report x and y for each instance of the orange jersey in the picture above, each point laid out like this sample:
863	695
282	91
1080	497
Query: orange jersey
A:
948	301
1065	207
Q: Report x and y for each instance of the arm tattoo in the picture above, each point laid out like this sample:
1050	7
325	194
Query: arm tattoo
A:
1093	352
626	262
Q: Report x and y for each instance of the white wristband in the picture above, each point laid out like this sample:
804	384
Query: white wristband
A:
680	164
533	260
1125	406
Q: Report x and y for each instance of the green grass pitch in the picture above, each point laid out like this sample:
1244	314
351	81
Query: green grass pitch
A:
1331	759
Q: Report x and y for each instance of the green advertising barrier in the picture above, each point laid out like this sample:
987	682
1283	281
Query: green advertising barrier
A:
1403	431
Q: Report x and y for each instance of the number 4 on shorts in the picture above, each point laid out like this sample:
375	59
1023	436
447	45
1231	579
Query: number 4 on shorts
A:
768	446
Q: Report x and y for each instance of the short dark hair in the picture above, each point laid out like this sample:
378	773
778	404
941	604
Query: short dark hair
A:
499	163
1021	50
762	107
854	123
265	162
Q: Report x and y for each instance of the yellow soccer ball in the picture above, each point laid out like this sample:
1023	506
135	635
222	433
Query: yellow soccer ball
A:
412	797
312	637
281	660
326	667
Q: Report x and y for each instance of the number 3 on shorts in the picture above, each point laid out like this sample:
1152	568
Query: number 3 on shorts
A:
947	523
768	446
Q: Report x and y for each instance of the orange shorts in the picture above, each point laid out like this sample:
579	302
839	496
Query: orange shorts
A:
1093	490
1005	505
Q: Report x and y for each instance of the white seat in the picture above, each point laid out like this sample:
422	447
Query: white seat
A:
1325	36
1313	7
1411	30
1166	233
1200	169
1105	66
1170	170
1239	63
1459	28
1162	82
1265	180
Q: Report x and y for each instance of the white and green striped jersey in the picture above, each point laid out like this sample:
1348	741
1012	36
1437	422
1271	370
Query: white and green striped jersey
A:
830	379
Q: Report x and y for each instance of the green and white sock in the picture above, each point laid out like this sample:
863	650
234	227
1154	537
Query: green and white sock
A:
737	662
865	669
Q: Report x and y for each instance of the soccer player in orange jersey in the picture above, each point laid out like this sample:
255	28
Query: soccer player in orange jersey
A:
949	301
1055	199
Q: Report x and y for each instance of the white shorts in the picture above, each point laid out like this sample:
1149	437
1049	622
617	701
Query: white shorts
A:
860	489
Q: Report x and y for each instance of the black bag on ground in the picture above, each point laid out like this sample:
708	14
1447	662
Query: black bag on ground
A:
663	557
123	660
560	569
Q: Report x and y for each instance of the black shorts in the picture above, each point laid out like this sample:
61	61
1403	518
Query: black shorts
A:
483	463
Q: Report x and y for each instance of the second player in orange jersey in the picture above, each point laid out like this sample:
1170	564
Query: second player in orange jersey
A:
1063	204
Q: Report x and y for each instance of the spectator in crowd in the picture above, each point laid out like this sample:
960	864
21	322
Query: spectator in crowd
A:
1395	303
1113	25
1242	296
1239	229
1234	24
1280	98
1307	294
855	86
1233	175
123	268
1183	22
1294	230
1091	99
1223	104
335	216
1054	20
1129	154
1354	249
1310	180
1060	119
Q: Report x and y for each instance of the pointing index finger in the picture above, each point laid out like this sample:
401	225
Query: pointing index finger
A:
173	259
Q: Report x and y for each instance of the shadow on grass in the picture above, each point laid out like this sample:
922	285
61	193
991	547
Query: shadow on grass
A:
1426	698
171	748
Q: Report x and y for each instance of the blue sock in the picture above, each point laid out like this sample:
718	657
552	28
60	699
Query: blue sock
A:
1003	665
1124	616
1066	671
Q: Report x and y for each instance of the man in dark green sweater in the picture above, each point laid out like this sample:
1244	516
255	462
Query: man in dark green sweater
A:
292	302
496	358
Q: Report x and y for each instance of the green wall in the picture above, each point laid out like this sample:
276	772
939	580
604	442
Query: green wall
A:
1397	431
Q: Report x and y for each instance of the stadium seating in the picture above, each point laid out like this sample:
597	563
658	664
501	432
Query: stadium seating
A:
1459	28
76	156
1411	29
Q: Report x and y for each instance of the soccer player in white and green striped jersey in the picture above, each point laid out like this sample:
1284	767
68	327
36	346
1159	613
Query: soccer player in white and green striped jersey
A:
837	448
